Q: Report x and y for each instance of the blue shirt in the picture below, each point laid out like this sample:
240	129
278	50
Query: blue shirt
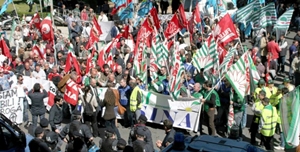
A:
292	49
4	81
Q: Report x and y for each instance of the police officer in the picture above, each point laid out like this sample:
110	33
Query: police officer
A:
140	144
38	144
77	143
141	124
257	108
52	140
44	123
110	142
74	126
56	114
267	124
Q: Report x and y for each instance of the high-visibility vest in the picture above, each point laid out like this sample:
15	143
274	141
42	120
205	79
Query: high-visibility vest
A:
269	116
258	106
266	89
133	99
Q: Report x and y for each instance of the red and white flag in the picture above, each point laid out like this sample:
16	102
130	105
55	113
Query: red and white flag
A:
5	49
225	31
51	95
89	62
71	61
173	28
92	40
96	27
47	29
101	59
36	50
72	92
154	16
36	21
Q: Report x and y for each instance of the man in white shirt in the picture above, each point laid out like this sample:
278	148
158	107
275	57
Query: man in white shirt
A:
102	17
38	73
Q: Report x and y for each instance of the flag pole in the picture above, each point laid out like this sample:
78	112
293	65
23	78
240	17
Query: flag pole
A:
41	7
15	10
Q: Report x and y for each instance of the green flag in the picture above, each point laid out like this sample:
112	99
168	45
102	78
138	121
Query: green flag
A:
12	30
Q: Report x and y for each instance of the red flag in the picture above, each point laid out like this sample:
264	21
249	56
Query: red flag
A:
222	53
36	20
47	30
196	14
181	17
92	40
37	51
51	95
96	27
153	14
224	32
89	61
72	61
5	49
191	28
170	44
126	32
143	36
116	9
113	43
101	59
71	93
173	28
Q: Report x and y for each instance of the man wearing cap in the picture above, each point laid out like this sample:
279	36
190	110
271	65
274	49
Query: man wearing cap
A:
52	140
261	86
110	142
141	124
256	108
287	84
74	126
140	144
38	144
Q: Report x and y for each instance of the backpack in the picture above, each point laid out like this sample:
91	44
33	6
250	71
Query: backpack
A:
88	108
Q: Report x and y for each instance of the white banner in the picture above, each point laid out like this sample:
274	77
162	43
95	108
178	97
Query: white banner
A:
157	107
106	28
11	105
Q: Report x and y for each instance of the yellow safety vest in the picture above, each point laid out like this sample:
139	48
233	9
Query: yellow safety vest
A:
269	116
266	89
258	106
133	99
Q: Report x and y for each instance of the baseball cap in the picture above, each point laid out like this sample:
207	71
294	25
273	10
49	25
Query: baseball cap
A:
143	117
51	137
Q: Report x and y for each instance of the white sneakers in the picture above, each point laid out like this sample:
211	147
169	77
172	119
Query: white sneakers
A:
279	148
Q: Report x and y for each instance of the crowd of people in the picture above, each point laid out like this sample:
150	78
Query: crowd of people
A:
124	96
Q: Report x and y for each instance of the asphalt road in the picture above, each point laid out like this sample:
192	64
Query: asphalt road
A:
157	130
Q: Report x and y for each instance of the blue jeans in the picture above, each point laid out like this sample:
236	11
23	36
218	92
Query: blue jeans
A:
282	140
281	61
35	119
244	120
111	123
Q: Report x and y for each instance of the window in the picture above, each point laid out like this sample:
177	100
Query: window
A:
6	138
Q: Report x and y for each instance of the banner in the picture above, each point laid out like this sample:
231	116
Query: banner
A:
183	112
51	95
290	117
11	105
106	28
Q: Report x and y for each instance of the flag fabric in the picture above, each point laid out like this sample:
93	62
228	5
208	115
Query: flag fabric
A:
283	23
181	17
227	61
175	76
225	31
116	9
243	14
13	28
125	34
206	57
154	16
71	61
72	92
4	6
96	27
237	76
119	2
5	49
36	50
47	29
92	40
36	21
126	13
89	62
143	36
101	59
290	117
263	16
144	9
173	27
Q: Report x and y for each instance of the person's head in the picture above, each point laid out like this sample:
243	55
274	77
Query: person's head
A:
258	61
207	85
282	37
168	124
106	70
262	94
197	87
121	144
142	119
109	97
39	132
270	83
58	100
73	23
20	79
73	75
38	68
255	50
110	133
111	77
119	69
36	87
286	81
123	83
163	70
188	76
261	83
129	65
27	66
44	123
266	101
93	82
